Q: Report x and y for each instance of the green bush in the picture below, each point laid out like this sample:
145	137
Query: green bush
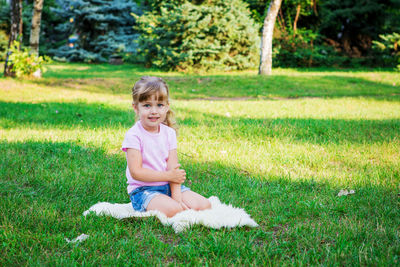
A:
389	47
304	48
24	63
215	34
3	45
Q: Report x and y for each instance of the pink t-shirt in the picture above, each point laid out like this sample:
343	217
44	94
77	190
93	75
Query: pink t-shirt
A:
154	147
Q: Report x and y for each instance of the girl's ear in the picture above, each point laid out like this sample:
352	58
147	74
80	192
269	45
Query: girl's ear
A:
135	108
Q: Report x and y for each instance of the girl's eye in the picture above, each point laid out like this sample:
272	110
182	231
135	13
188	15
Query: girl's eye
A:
146	105
160	105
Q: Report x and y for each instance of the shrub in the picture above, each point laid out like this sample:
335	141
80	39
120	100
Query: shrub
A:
304	48
389	47
3	45
24	63
215	34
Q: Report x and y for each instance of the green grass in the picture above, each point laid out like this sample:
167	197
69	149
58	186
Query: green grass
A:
280	147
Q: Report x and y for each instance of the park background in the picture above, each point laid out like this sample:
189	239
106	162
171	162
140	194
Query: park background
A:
281	146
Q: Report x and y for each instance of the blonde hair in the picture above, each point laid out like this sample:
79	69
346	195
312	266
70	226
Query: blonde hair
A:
148	86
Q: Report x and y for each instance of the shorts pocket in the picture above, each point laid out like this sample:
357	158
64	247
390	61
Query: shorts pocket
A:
137	201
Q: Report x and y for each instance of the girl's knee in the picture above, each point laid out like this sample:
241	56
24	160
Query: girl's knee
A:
206	205
173	210
202	205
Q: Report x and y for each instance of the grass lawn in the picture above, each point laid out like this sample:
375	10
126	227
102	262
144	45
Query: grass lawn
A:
280	147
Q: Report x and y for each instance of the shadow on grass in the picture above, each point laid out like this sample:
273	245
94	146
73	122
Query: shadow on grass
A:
72	115
63	115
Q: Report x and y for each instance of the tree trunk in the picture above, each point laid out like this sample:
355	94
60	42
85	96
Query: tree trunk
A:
314	6
296	18
15	32
281	21
35	31
266	39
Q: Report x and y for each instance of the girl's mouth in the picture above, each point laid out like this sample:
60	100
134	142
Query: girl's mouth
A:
153	119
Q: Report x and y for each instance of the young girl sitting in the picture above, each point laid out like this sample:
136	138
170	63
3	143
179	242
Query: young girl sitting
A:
153	172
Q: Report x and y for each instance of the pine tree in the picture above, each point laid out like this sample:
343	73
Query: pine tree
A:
103	28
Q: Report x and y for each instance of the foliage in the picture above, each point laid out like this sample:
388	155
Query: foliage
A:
353	24
50	38
3	45
4	16
303	48
258	9
4	28
306	11
25	63
103	28
389	45
215	34
344	29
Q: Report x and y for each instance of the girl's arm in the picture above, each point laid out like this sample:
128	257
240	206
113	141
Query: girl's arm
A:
134	158
176	193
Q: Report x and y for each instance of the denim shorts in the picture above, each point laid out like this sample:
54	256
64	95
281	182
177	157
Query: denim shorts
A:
141	196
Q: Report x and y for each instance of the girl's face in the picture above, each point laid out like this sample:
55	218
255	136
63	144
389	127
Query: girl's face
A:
151	113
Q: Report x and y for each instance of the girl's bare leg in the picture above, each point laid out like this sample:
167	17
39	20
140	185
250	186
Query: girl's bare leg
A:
165	204
195	201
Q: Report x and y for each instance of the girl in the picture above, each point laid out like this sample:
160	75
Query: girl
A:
153	173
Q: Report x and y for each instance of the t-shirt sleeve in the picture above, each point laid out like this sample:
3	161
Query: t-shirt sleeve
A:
132	140
172	139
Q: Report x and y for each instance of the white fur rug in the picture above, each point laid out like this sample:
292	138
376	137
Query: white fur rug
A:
220	215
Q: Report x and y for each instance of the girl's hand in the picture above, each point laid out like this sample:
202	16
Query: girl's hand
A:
183	205
177	175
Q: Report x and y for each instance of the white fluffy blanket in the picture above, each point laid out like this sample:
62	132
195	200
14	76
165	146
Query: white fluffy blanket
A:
220	215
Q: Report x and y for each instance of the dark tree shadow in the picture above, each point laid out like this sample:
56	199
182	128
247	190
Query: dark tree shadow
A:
64	115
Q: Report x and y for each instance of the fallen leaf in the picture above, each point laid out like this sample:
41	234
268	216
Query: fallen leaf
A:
80	238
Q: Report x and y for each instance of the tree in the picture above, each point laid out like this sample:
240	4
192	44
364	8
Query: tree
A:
96	29
351	25
266	39
4	28
35	31
35	28
15	32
